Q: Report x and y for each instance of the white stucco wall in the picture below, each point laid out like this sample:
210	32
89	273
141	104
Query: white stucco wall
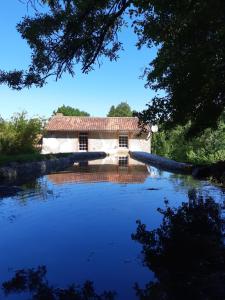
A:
140	144
59	145
110	143
102	142
107	142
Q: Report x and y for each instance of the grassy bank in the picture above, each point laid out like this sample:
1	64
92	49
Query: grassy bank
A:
23	158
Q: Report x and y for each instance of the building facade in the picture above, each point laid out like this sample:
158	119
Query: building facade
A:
111	135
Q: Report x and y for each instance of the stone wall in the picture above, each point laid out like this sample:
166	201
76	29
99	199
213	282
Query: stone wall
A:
162	163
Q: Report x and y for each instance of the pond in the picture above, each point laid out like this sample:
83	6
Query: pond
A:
78	223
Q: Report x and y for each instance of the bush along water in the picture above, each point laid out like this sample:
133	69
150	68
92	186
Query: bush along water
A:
207	148
20	134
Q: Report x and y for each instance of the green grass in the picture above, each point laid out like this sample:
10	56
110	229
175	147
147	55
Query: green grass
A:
22	158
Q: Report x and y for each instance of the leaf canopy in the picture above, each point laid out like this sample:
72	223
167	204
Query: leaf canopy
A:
188	73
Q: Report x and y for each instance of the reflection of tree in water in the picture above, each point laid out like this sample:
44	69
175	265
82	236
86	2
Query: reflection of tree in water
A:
184	182
186	252
35	282
36	187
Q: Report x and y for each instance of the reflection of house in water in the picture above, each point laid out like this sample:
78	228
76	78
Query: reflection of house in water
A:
105	170
120	159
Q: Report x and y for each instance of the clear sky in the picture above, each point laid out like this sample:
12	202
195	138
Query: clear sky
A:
95	92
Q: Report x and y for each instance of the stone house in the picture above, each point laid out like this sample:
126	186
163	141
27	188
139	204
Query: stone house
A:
112	135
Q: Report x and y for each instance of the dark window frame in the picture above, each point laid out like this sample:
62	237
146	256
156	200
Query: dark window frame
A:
123	141
83	141
123	161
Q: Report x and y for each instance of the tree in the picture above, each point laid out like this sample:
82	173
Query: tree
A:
121	110
111	112
209	147
19	134
189	67
70	111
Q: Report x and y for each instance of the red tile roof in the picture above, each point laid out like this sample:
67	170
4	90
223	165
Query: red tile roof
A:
64	123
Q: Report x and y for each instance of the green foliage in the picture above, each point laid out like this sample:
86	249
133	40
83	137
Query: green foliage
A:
188	68
121	110
19	134
209	147
70	111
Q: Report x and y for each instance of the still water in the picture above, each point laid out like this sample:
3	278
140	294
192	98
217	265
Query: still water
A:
78	224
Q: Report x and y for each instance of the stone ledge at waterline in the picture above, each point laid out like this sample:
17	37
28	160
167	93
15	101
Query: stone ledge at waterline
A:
162	163
21	171
214	171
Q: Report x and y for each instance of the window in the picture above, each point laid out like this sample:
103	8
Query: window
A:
83	141
123	141
123	161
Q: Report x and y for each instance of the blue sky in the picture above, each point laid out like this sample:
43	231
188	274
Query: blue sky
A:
95	92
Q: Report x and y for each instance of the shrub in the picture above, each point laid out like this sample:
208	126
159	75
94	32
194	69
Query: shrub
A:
207	148
19	134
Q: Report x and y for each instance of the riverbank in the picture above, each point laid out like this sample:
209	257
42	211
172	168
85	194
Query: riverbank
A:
213	172
7	160
18	172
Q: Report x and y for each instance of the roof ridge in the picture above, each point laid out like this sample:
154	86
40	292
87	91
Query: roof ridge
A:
93	117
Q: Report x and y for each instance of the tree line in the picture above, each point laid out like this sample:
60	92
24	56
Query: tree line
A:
188	68
123	109
206	148
21	135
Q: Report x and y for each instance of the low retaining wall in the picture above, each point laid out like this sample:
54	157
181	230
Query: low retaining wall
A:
19	172
162	162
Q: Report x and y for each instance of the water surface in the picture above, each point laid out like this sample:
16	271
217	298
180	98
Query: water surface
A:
78	223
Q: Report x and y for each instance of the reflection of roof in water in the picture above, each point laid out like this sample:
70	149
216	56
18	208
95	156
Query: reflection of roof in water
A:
101	173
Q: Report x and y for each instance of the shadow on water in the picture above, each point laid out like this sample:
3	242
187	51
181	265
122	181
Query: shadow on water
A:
186	253
24	191
34	282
